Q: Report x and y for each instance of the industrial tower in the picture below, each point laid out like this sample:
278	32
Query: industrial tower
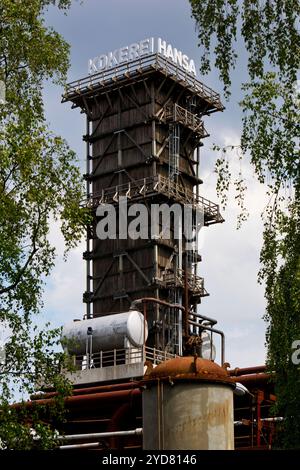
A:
144	355
144	130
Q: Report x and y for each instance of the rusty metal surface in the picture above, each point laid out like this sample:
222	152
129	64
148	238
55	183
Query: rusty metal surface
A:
88	390
190	368
247	370
107	414
253	379
254	411
119	395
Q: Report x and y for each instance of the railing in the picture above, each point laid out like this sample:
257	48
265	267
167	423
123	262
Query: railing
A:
155	61
119	357
178	114
156	356
156	184
177	278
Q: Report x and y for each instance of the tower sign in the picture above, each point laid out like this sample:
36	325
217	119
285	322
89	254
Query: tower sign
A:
141	49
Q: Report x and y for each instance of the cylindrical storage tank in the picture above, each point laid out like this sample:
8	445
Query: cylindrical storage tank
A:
109	332
188	404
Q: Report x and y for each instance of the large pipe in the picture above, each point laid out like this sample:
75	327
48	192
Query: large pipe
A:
178	293
186	298
134	303
88	390
100	435
247	422
252	378
119	417
106	396
167	304
88	260
213	330
144	300
247	370
211	320
87	445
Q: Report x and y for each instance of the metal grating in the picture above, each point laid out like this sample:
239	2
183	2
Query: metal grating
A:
89	84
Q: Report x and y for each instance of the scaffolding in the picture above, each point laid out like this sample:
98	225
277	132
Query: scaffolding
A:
151	186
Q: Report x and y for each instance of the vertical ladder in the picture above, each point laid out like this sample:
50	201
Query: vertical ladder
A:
192	254
174	145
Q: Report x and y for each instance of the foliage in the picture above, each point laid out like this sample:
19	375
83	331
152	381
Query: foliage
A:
32	363
265	34
39	183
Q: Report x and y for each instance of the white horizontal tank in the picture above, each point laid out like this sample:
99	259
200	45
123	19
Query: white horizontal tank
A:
108	332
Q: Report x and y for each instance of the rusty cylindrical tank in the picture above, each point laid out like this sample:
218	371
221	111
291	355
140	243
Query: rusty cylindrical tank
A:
188	404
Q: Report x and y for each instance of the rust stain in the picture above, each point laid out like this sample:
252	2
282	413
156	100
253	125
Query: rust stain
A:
216	416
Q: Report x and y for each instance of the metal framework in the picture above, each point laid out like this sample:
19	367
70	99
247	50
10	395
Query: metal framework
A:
154	185
143	136
136	68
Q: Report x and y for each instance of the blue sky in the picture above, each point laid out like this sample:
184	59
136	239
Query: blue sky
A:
230	257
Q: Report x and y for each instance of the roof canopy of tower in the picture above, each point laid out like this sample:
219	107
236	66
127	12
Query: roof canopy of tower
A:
154	65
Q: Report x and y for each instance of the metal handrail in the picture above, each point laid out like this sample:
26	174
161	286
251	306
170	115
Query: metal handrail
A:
119	357
158	184
156	61
157	355
177	113
195	283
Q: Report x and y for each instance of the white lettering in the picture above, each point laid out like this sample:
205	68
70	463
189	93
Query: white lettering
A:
102	62
296	354
192	67
92	66
170	52
119	460
138	227
151	45
133	51
185	62
106	227
177	57
123	218
123	54
143	48
161	47
112	59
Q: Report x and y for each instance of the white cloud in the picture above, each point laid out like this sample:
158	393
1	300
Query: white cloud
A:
63	294
231	262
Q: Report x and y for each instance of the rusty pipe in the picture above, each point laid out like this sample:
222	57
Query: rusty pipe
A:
143	300
252	378
88	390
115	395
218	332
247	370
118	418
134	303
203	317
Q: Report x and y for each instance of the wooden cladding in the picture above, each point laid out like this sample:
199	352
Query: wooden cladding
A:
129	149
